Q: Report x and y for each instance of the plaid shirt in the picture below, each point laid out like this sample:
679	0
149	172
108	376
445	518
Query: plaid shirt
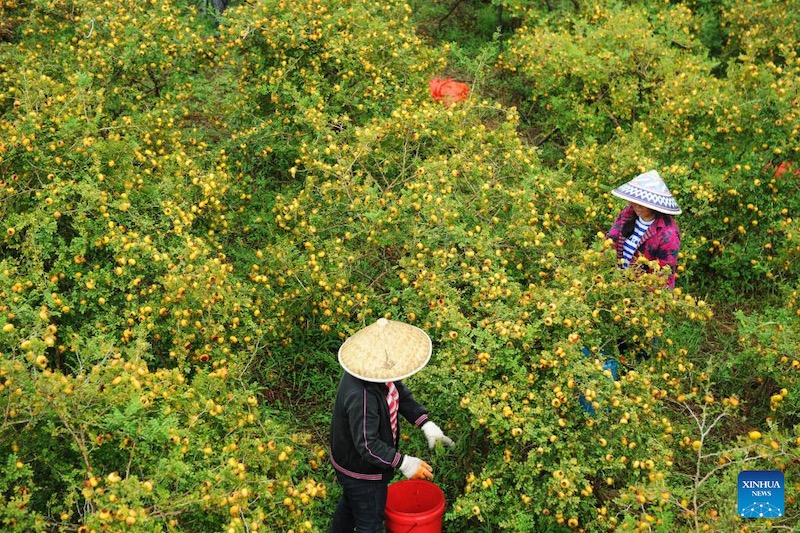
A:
661	242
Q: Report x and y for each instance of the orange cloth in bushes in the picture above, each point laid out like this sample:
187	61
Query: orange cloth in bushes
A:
781	168
448	91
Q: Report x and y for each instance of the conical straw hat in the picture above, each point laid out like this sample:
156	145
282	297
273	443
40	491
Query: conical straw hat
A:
386	350
649	190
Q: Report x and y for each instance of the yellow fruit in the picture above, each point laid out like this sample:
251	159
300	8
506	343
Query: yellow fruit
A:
755	435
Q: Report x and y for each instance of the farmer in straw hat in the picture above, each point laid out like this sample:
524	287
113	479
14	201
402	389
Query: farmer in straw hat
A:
364	427
645	226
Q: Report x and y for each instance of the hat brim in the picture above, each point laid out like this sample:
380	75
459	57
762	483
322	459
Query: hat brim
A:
382	356
384	378
665	205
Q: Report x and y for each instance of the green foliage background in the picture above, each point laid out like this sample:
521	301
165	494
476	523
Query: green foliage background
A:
197	208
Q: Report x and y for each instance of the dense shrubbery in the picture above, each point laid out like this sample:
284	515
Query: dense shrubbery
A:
197	210
641	92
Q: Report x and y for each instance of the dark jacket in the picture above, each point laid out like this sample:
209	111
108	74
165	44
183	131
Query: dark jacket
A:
362	444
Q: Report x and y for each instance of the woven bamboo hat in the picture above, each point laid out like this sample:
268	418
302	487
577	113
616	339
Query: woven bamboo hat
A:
649	190
386	350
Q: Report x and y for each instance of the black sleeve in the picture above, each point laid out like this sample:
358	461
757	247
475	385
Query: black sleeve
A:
409	407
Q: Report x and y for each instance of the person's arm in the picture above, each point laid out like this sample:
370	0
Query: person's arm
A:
669	246
363	414
409	407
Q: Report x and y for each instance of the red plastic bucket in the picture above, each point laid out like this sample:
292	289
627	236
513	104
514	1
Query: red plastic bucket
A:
414	506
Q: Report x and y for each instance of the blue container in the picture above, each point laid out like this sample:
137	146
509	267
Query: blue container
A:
611	365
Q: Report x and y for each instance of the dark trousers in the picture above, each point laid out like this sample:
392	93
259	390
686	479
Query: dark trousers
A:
361	507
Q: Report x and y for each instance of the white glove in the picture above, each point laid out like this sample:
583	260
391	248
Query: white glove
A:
415	468
434	434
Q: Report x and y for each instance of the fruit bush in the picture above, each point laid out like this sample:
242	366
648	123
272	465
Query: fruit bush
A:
198	208
126	336
120	447
631	88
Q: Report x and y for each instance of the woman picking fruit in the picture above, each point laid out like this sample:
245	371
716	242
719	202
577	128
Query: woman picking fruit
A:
645	226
